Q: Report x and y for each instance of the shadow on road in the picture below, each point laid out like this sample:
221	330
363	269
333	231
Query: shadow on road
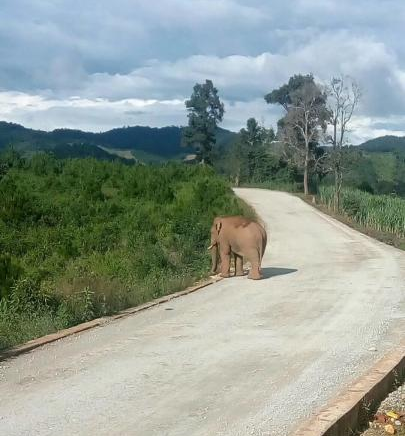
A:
273	272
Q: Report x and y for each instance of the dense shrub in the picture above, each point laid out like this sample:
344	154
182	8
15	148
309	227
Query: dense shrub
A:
81	238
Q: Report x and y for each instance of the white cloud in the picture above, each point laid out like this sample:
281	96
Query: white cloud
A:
186	13
100	114
246	77
114	54
88	114
364	128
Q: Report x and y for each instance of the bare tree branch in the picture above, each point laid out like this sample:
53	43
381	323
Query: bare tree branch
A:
343	96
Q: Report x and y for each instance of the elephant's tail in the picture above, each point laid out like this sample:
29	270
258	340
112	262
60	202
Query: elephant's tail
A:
264	242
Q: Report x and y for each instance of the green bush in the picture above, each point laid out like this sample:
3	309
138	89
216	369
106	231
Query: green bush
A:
82	238
10	271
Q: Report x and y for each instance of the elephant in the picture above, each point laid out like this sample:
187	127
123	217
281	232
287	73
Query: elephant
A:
241	237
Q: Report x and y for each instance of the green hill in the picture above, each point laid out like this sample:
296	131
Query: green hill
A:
378	166
153	144
385	144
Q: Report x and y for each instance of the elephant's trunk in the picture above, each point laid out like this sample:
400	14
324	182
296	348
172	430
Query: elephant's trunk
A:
214	257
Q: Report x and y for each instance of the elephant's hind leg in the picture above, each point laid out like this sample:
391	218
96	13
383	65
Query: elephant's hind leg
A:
239	270
255	272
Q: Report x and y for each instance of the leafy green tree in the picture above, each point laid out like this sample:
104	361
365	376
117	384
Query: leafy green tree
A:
305	119
284	95
236	162
205	112
252	137
250	158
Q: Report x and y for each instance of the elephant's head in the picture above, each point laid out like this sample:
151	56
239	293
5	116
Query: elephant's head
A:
214	243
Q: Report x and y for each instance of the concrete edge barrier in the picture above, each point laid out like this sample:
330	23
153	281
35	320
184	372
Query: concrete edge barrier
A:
38	342
348	411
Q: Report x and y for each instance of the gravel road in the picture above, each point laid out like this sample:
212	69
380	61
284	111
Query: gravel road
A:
237	358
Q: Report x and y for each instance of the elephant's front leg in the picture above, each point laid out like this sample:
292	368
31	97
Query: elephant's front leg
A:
225	263
239	270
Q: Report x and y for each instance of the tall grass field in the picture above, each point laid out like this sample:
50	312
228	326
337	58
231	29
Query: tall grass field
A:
384	213
82	238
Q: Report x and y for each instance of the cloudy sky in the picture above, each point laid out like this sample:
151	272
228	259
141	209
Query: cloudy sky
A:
98	64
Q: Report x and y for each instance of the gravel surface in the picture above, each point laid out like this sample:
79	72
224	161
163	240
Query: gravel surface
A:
237	358
395	401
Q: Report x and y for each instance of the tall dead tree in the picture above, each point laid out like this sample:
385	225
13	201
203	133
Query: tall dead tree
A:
302	126
343	96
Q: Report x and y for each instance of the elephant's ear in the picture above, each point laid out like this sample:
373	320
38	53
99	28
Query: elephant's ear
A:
218	226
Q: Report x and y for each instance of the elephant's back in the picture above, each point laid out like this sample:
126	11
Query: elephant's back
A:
260	233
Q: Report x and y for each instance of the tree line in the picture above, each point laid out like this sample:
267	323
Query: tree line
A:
314	115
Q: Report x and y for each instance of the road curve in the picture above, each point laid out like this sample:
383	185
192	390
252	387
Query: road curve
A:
237	358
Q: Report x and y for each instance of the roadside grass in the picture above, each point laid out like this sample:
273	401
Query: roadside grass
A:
81	238
380	232
383	213
19	326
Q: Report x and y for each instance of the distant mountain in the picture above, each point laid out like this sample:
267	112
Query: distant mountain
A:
388	143
378	165
144	143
